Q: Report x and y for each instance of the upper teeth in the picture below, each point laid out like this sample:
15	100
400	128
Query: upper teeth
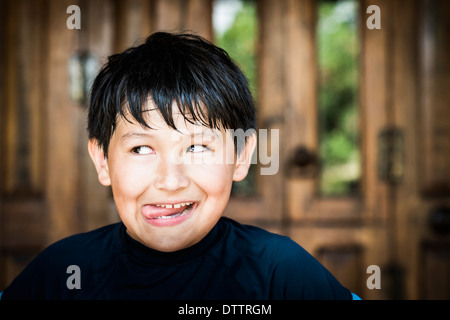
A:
176	206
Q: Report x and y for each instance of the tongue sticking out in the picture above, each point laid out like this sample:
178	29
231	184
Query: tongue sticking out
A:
158	212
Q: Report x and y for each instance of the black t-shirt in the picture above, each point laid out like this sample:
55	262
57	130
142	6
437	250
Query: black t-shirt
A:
232	262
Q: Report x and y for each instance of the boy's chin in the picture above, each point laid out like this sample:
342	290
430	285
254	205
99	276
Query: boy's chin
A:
164	243
168	245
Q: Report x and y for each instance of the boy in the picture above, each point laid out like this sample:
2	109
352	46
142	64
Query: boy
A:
159	127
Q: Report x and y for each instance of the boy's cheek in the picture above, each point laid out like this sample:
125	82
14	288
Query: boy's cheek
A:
128	180
213	179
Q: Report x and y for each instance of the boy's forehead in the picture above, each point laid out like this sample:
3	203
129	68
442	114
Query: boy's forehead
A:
156	123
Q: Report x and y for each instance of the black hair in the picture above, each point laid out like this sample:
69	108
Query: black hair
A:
202	80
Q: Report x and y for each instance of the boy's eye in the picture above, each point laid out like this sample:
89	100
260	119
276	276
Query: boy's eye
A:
197	148
143	150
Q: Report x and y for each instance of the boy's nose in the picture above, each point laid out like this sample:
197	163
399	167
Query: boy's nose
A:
170	176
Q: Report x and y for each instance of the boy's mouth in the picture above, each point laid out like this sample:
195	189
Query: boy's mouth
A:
167	213
180	209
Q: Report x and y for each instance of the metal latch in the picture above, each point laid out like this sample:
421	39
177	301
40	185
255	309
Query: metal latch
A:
83	67
390	155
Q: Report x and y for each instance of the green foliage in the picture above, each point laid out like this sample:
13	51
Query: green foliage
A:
240	40
338	65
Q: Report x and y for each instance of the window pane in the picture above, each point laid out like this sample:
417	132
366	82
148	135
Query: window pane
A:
338	50
236	31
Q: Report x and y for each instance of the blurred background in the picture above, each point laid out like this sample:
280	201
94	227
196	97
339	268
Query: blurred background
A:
363	118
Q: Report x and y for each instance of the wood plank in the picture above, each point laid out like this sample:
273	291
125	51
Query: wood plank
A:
436	270
10	118
23	223
271	102
133	22
301	96
3	100
168	15
374	106
199	18
301	74
64	118
434	111
24	92
406	236
193	16
97	39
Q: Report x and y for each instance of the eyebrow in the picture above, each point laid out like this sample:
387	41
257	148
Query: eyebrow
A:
132	135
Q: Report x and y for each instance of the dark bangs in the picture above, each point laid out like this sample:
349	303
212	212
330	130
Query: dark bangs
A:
179	70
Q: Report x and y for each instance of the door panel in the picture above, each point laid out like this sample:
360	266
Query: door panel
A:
436	270
403	73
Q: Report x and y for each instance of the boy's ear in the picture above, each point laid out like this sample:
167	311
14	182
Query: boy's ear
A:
100	162
244	159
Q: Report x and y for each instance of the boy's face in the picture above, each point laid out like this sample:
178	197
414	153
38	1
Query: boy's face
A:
170	187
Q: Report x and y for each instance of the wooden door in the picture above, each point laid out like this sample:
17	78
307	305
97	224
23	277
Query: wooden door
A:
405	76
48	184
404	134
421	36
340	232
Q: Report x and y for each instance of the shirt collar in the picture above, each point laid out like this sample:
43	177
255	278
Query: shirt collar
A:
143	254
